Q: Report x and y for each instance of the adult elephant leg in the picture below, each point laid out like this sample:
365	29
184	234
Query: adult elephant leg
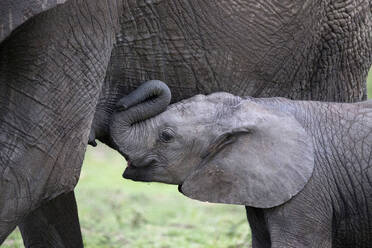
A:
51	73
55	224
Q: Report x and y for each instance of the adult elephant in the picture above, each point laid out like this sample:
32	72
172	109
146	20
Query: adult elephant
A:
64	65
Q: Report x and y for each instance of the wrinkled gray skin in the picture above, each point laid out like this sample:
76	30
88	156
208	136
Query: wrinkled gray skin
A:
65	64
303	169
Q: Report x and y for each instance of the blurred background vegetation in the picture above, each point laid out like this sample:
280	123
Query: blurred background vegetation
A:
120	213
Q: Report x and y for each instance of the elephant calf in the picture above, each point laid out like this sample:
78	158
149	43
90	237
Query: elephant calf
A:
303	169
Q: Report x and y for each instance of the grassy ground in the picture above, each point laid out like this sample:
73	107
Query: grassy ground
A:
121	213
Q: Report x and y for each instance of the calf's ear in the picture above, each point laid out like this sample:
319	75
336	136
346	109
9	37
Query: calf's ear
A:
262	160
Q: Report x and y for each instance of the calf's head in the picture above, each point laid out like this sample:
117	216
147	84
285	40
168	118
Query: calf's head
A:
218	148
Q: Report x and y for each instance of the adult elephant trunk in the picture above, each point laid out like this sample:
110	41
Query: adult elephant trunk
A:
148	100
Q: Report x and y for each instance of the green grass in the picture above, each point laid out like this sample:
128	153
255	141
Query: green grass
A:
119	213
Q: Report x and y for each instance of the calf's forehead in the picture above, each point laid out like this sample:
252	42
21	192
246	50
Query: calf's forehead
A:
191	113
199	111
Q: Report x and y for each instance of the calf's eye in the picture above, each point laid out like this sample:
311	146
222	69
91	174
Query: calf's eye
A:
166	136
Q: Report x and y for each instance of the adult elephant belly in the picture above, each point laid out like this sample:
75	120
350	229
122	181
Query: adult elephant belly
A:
256	48
207	46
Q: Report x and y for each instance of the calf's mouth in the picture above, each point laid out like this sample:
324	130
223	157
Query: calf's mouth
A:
140	169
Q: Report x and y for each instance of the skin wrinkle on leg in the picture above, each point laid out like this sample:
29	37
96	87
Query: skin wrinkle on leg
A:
346	43
57	128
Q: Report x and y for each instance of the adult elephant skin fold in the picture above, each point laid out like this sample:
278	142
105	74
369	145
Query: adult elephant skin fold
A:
65	64
14	13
